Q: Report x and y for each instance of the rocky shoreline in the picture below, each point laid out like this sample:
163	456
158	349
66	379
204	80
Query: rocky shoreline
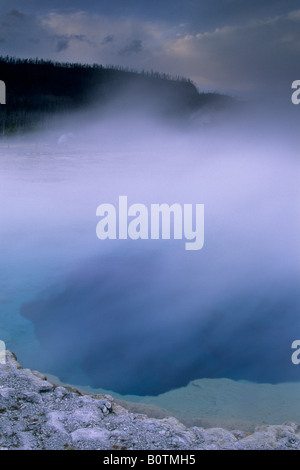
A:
36	414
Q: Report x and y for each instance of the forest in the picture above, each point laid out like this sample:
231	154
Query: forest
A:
37	89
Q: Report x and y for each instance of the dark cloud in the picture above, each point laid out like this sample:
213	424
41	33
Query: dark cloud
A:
220	44
62	44
199	14
133	48
23	34
108	39
16	14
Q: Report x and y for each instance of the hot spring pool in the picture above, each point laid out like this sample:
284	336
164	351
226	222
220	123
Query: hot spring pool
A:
202	335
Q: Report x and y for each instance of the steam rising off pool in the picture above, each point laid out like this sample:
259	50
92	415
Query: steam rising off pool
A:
143	317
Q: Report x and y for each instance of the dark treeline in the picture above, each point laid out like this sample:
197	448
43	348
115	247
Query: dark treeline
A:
37	88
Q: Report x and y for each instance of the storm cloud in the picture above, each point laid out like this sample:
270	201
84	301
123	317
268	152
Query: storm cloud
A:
235	46
133	48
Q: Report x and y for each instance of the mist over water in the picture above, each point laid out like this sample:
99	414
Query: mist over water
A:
144	317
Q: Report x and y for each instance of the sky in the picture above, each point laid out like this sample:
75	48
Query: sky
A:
240	46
